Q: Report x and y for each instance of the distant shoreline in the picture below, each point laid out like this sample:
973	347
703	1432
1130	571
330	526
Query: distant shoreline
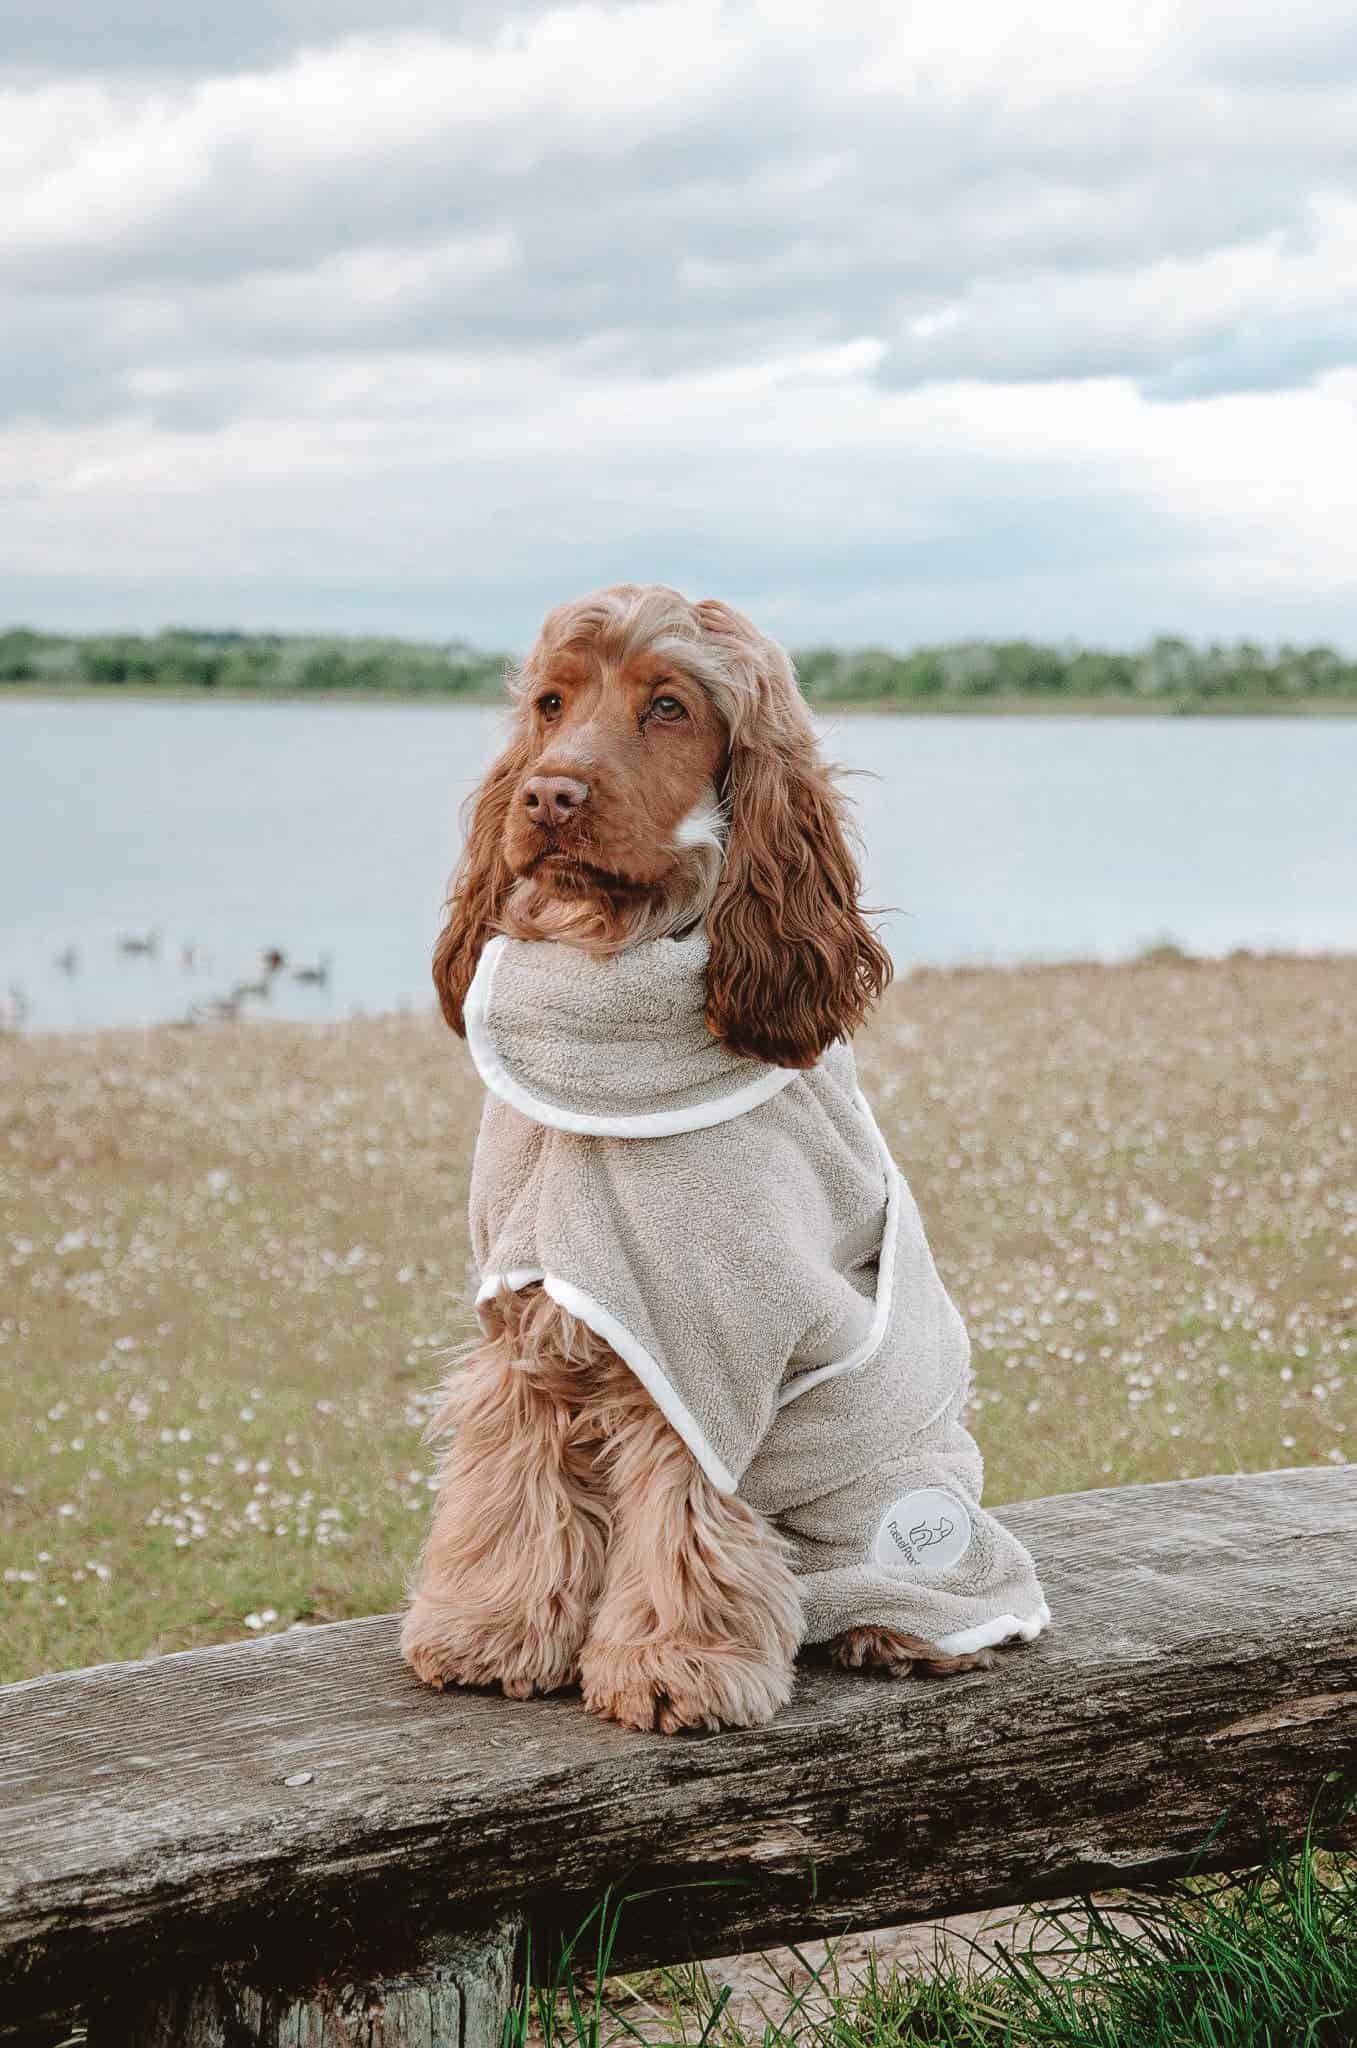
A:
999	705
1168	677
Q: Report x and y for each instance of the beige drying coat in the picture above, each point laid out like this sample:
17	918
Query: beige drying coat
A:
739	1234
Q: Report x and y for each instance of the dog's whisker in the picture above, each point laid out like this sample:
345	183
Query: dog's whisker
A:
703	827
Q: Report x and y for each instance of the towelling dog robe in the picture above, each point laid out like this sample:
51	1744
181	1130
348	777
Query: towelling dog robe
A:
739	1234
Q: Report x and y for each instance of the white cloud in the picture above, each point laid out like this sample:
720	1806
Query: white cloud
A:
113	178
1267	312
891	321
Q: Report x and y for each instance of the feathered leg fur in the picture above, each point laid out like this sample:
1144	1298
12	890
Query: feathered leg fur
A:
700	1616
569	1509
514	1562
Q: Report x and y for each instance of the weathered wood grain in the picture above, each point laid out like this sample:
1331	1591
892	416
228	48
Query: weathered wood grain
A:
457	1995
1203	1662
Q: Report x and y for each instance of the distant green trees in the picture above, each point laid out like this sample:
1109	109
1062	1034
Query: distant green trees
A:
182	659
23	654
177	659
403	666
1169	670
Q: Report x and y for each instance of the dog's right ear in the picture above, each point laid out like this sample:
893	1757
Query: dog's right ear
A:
480	883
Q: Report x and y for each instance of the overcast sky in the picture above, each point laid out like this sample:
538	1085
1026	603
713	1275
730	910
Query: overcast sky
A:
885	321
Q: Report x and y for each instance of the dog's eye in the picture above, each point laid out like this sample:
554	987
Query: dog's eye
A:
667	708
550	705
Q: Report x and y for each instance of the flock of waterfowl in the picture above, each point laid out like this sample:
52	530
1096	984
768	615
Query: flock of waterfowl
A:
273	965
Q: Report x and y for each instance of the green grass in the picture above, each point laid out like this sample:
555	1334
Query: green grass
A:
232	1260
1266	1959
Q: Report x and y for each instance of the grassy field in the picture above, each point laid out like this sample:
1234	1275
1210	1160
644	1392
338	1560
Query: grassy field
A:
233	1257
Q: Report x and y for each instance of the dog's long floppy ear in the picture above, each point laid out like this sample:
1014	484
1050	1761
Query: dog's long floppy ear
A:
793	963
479	885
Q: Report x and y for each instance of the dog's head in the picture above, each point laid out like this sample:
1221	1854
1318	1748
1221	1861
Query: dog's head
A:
662	772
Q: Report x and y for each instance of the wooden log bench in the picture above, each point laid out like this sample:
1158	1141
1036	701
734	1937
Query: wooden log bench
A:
290	1841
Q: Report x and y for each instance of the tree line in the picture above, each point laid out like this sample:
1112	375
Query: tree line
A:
180	659
1168	669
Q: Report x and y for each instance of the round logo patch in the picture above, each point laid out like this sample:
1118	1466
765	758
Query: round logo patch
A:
928	1529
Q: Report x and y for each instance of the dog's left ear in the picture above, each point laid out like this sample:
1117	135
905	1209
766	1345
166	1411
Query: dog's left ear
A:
793	964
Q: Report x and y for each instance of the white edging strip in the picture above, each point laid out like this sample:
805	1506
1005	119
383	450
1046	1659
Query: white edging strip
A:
660	1123
885	1281
1002	1629
604	1324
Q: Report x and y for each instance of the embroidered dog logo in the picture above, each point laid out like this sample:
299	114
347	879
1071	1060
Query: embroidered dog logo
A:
924	1533
929	1529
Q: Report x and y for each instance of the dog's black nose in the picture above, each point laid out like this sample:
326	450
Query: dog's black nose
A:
549	799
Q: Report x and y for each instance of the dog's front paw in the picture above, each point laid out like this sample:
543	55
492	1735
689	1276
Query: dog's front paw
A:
447	1645
898	1655
669	1685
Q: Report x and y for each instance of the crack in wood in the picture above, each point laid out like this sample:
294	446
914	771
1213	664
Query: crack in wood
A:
1288	1714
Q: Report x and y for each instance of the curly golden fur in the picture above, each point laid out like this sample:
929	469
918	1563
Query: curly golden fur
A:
662	771
794	965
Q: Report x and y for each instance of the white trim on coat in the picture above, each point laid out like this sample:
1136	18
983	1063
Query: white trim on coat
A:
515	1279
658	1123
864	1352
631	1351
1002	1629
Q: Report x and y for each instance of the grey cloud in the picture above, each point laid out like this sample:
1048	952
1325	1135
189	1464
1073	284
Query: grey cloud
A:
702	248
301	262
671	273
1272	353
149	37
1022	329
1273	50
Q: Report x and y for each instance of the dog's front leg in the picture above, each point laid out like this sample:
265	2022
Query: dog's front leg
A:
700	1616
514	1560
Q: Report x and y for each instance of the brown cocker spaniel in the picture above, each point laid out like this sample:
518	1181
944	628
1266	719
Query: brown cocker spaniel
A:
663	775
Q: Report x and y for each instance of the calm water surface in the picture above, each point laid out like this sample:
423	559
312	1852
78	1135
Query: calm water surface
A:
327	831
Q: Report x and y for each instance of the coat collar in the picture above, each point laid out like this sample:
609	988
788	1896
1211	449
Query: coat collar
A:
608	1046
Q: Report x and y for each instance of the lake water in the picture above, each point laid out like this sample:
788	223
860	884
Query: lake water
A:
327	830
